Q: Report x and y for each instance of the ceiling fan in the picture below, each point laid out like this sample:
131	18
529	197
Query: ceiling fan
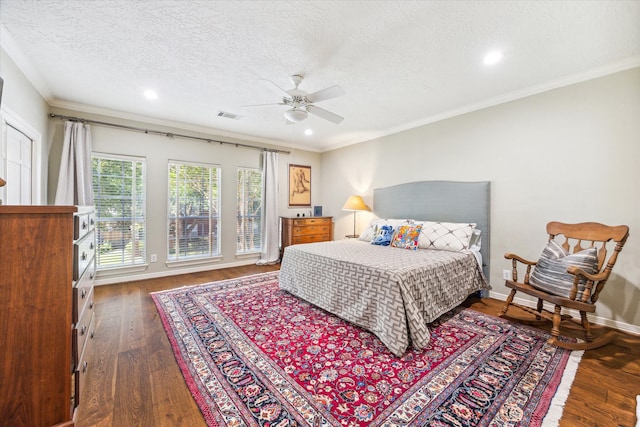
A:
303	103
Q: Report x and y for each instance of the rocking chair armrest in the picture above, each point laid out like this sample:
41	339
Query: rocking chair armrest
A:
577	271
519	258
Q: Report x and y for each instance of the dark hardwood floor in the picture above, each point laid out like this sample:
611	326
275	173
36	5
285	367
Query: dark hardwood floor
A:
134	379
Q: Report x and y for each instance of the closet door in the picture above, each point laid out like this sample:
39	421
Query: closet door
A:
18	161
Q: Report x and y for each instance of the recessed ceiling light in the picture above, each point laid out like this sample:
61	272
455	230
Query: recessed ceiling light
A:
308	132
149	94
492	57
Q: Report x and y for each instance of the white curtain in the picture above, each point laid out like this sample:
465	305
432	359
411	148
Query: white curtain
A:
74	180
270	253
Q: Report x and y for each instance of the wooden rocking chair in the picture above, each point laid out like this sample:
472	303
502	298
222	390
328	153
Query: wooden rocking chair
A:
580	290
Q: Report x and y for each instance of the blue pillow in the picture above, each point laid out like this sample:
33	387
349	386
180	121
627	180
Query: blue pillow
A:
383	235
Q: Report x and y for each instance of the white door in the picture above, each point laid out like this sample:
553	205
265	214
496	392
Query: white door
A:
19	159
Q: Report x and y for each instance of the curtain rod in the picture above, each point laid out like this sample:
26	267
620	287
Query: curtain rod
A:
167	134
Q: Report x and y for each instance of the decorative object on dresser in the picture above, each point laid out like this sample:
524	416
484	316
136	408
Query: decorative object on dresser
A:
46	259
305	230
355	204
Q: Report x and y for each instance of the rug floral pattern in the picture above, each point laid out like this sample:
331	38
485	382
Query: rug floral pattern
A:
255	355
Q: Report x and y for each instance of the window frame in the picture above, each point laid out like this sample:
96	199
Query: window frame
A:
258	249
213	252
138	238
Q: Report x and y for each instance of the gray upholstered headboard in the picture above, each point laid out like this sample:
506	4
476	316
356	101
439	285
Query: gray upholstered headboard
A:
445	201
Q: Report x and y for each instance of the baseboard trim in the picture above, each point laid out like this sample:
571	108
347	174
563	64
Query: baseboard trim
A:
598	320
111	280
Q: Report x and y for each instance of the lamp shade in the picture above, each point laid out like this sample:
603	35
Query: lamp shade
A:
355	203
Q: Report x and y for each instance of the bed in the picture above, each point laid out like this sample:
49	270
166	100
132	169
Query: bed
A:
393	292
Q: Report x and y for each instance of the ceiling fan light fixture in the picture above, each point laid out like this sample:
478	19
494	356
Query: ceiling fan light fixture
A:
295	115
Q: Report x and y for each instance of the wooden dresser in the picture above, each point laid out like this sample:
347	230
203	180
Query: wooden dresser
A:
39	340
84	251
305	230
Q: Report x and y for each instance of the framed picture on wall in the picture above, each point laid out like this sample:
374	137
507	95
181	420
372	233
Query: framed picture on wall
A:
299	185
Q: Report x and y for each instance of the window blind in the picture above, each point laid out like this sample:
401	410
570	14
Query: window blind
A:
119	198
249	208
194	206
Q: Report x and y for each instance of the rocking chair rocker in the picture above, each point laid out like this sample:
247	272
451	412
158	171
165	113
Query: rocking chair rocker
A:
568	278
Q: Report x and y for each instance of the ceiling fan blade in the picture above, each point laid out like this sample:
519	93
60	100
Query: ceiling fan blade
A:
327	115
328	93
267	80
263	105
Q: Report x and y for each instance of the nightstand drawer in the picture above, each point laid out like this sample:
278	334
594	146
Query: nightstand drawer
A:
312	229
310	238
312	221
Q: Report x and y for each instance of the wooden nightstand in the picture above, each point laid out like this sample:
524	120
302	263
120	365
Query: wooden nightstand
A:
305	230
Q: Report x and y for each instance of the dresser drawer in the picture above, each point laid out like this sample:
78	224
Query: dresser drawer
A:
83	292
312	229
82	331
82	224
312	221
83	253
310	238
82	369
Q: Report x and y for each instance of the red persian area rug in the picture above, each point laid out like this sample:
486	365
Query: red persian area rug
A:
253	355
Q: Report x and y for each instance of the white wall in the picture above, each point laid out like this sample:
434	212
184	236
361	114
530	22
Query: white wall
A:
570	154
157	151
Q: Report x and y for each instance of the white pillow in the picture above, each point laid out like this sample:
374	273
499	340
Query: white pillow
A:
475	243
369	232
448	236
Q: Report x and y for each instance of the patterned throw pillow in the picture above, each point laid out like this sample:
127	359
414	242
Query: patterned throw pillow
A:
448	236
407	237
550	274
369	232
383	235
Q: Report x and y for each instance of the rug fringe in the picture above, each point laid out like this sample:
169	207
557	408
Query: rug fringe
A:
552	418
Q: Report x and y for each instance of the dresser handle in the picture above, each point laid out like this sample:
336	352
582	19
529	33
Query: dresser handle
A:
93	221
83	293
83	330
91	305
84	225
85	365
91	245
93	334
91	275
83	257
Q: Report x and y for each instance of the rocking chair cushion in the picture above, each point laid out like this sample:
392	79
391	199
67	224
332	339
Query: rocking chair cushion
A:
550	273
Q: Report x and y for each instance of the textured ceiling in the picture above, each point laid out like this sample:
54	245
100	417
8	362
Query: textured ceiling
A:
401	63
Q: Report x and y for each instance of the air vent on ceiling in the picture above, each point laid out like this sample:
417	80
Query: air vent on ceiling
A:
227	115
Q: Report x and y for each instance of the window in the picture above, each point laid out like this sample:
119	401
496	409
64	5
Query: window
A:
248	228
194	211
119	197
